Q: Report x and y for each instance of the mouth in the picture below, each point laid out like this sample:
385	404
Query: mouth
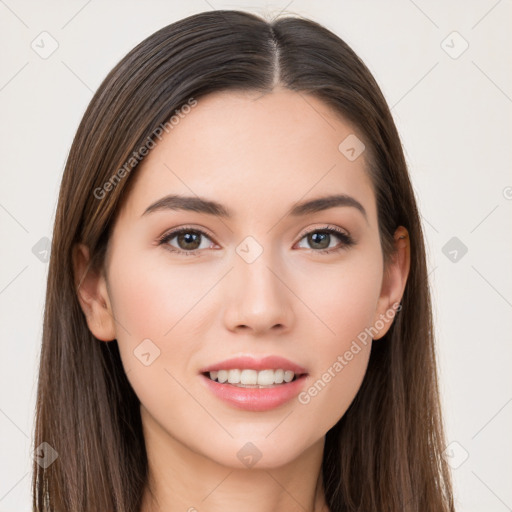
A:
253	392
255	384
251	378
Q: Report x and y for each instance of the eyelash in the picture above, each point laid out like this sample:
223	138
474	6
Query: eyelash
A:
347	240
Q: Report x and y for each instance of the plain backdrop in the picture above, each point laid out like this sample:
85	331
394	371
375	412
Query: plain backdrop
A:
445	70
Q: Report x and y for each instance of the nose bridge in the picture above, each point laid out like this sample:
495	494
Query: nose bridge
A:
259	298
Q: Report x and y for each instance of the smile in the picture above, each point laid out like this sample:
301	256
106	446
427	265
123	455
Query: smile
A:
252	378
255	397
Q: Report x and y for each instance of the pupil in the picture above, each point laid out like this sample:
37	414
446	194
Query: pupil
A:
189	238
325	236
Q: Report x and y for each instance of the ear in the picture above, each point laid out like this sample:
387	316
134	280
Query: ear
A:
92	292
393	283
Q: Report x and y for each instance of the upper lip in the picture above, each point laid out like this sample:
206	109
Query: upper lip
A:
249	362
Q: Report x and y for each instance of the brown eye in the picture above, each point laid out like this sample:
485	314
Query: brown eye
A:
186	241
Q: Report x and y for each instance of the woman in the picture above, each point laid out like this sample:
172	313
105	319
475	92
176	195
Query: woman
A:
237	311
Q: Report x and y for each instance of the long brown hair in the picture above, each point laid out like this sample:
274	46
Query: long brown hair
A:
385	453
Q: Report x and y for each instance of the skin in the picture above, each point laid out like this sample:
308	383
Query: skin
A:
258	155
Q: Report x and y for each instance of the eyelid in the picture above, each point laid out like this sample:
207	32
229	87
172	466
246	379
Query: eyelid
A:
175	231
346	239
172	233
324	227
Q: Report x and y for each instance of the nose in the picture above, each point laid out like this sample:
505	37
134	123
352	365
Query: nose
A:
258	298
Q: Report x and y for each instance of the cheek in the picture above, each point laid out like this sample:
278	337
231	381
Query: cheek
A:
341	299
329	394
157	308
157	304
153	297
344	308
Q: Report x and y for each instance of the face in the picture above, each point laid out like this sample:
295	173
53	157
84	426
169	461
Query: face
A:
192	289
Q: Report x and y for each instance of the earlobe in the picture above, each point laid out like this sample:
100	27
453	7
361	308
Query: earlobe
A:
394	281
92	293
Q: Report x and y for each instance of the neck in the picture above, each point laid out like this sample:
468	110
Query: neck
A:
183	480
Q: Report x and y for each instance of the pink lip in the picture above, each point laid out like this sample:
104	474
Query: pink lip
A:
255	399
250	363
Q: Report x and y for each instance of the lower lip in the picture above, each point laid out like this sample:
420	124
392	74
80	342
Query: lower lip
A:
255	399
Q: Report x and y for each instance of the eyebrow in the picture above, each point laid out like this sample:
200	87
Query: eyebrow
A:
210	207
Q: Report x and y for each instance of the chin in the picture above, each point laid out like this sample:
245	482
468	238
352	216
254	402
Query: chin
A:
260	451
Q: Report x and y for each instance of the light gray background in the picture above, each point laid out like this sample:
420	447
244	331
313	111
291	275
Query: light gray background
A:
454	117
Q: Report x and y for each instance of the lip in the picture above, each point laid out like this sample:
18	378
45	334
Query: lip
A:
251	363
255	399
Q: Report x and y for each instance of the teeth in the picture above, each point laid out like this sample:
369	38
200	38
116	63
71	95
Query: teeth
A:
246	377
266	377
253	378
234	376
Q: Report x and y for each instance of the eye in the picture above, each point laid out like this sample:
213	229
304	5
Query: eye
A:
320	239
188	241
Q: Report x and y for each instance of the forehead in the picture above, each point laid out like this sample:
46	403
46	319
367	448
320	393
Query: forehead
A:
251	150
